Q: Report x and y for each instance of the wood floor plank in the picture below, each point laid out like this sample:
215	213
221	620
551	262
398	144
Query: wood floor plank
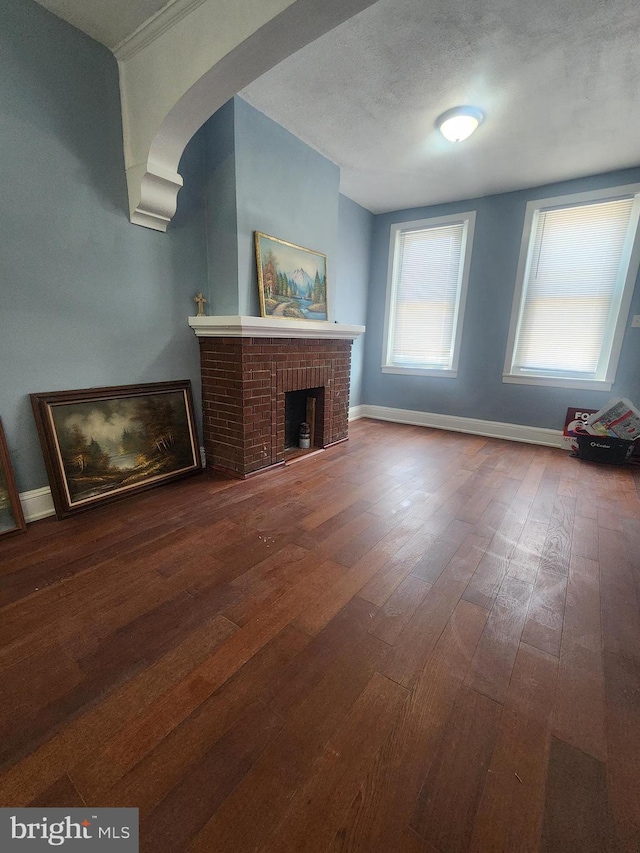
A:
493	661
418	638
510	812
207	783
545	496
584	542
315	617
335	774
477	504
619	596
579	717
52	674
610	518
439	554
330	650
61	794
582	621
361	544
580	711
112	775
543	625
267	581
170	709
388	795
399	609
490	520
332	508
346	533
330	768
576	814
312	539
487	578
622	687
447	803
556	550
391	574
527	555
313	711
26	779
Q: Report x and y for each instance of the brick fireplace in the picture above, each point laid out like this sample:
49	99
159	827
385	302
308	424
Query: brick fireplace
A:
248	364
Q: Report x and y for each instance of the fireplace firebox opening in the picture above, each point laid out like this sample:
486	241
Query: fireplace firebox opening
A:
305	406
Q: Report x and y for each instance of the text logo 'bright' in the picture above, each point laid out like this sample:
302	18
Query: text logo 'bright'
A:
102	830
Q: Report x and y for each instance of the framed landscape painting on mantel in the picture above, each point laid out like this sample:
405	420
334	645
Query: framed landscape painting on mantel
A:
292	280
11	516
101	444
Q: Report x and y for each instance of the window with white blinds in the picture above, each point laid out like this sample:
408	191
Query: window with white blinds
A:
428	273
574	288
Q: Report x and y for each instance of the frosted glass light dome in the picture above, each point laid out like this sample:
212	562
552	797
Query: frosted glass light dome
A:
459	123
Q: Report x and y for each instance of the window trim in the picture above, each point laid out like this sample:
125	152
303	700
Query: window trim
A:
632	254
468	218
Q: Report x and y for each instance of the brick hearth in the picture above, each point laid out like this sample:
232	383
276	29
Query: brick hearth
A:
244	381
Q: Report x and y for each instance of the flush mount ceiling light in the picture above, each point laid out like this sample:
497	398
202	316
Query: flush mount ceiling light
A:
459	123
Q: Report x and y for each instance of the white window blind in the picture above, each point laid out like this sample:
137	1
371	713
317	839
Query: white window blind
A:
574	280
428	276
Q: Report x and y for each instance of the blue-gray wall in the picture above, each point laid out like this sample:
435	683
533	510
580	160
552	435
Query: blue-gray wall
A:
283	188
218	136
87	298
478	391
260	177
355	228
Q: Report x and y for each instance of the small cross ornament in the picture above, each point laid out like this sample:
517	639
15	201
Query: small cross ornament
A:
200	301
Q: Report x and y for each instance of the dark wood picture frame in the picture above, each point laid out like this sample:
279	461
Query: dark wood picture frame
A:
11	515
103	444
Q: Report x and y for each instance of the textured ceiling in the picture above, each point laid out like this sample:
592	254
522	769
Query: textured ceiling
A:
107	21
558	82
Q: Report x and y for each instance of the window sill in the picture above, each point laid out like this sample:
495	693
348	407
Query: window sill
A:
557	382
420	371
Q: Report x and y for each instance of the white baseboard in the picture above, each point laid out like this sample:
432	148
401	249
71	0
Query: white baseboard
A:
355	412
37	504
473	426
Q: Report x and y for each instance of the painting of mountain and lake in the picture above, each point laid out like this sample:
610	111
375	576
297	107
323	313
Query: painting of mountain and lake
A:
103	445
292	280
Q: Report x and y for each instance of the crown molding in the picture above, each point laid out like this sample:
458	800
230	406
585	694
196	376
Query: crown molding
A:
154	27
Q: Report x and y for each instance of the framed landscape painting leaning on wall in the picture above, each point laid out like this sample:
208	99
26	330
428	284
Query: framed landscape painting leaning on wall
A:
100	444
11	516
292	280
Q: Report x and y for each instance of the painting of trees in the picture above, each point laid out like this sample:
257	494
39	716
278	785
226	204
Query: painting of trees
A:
270	275
117	443
292	279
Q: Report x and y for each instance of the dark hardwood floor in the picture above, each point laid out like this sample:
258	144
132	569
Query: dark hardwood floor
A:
415	641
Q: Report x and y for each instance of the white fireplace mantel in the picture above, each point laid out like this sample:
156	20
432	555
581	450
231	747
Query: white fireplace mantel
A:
271	327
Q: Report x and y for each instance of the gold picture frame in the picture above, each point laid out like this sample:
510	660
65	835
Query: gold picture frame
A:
292	280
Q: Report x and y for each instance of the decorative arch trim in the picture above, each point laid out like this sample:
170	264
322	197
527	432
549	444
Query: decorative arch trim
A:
154	184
